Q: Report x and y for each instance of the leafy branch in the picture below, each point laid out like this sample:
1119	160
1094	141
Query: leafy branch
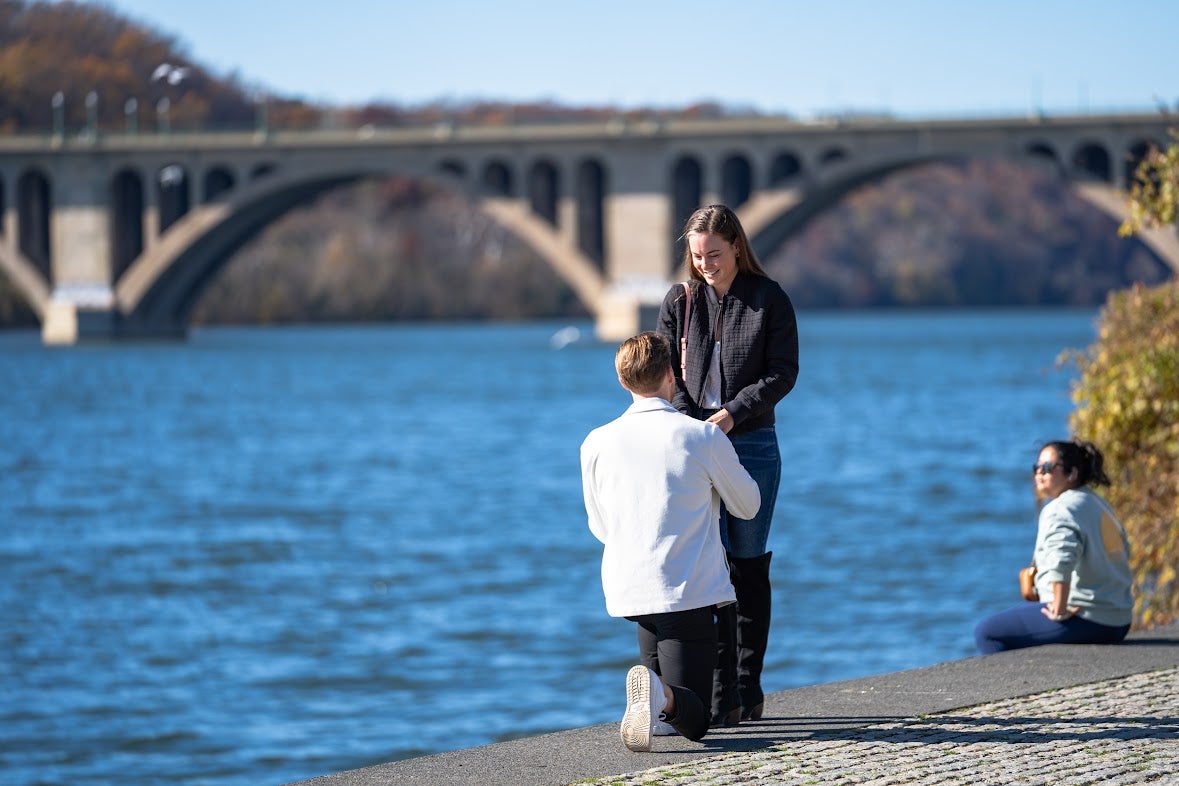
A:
1154	193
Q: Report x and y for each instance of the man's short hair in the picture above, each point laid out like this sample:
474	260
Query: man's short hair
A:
642	362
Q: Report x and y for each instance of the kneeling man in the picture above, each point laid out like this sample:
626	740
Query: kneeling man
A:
654	480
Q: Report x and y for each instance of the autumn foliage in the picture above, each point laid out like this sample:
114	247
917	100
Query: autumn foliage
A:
1154	194
76	49
1127	401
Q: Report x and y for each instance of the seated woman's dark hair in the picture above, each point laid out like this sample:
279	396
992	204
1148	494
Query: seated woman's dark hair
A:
1082	456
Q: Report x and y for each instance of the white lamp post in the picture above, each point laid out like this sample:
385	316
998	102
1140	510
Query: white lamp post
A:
58	103
131	111
92	115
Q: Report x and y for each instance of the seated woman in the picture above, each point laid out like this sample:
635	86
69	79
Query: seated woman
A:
1082	560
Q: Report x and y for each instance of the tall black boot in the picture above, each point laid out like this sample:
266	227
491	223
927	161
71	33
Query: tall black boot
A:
726	700
751	580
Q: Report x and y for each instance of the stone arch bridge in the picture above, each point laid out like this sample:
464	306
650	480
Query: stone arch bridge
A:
117	235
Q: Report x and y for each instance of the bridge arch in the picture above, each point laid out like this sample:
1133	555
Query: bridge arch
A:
498	179
1093	160
833	155
126	235
544	189
453	168
173	194
1045	153
31	280
34	204
262	170
780	214
736	180
1135	155
785	166
158	292
777	215
592	185
218	180
687	191
1163	241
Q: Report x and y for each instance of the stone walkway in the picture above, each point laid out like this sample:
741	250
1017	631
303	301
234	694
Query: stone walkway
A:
1118	731
1061	715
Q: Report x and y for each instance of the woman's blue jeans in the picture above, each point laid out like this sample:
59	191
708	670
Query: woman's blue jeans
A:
759	454
1026	626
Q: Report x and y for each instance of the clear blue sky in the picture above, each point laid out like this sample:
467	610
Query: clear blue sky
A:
916	58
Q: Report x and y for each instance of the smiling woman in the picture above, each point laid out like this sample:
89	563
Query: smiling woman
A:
715	259
739	359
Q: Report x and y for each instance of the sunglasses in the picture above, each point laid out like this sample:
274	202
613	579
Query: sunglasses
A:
1046	468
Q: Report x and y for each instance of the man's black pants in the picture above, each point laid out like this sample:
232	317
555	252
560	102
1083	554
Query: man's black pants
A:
680	646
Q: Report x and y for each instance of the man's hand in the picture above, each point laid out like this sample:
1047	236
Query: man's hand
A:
723	419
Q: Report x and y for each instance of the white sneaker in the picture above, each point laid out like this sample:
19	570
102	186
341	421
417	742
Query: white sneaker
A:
662	728
644	702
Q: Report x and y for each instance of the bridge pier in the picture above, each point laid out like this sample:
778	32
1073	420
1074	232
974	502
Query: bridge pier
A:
65	325
84	314
620	318
77	312
629	307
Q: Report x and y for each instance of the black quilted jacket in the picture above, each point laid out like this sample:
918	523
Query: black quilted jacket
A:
759	348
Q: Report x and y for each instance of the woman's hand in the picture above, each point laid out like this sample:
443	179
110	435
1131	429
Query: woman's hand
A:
1058	609
1061	616
723	419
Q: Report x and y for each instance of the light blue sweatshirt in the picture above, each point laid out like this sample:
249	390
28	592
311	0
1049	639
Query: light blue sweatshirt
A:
1081	541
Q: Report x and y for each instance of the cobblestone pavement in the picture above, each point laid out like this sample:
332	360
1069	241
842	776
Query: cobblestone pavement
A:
1120	731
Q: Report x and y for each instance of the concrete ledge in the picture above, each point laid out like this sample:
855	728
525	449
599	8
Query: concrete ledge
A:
596	752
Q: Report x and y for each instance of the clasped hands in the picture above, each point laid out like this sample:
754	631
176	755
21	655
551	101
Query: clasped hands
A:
723	419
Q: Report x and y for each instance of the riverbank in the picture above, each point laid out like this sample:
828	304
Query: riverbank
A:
1082	713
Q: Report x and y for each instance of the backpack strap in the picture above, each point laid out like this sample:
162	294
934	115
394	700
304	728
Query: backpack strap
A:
684	337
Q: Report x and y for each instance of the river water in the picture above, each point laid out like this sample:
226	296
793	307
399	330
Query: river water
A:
269	554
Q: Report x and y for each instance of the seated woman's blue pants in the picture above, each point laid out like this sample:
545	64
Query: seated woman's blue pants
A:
1026	626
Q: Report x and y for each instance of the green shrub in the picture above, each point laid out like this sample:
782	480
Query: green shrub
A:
1127	401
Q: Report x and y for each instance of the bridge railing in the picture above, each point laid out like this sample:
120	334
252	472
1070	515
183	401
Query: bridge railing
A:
637	122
